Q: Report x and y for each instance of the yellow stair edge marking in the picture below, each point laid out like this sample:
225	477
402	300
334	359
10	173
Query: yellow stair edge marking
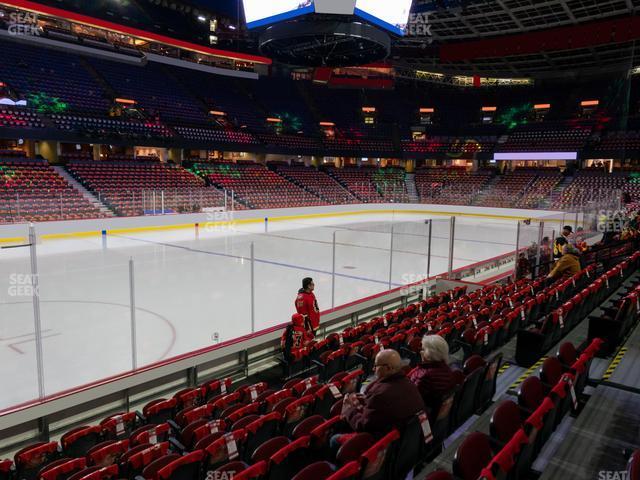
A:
527	374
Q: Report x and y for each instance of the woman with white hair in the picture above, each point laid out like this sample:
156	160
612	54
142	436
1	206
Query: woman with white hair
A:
433	377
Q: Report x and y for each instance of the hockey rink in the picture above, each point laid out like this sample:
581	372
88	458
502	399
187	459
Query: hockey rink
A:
192	288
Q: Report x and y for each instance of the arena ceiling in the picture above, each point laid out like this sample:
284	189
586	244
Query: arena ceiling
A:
556	37
513	38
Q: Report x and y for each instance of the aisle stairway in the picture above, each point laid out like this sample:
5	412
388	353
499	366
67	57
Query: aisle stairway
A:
558	191
487	189
410	181
85	193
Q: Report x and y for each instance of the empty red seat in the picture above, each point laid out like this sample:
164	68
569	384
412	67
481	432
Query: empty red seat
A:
315	471
62	469
29	460
77	442
136	460
377	460
150	434
159	411
289	459
473	454
350	471
150	471
228	448
186	467
119	426
107	453
256	471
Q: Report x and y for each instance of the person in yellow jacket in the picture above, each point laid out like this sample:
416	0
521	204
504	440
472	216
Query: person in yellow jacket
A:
569	262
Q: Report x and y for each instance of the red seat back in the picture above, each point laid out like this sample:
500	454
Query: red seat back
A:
351	471
473	454
505	421
531	393
354	447
551	371
376	459
186	467
268	448
315	471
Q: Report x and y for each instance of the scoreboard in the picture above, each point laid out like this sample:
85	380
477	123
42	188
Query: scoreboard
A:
386	14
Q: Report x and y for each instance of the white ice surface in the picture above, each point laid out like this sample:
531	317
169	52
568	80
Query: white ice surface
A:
189	287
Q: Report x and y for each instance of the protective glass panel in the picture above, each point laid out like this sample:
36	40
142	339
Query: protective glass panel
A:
191	288
285	252
85	309
18	365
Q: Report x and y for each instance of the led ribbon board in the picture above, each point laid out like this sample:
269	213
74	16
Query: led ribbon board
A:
536	156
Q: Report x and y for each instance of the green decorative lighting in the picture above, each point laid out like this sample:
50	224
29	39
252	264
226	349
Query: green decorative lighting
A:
516	116
6	173
46	104
227	171
384	177
289	123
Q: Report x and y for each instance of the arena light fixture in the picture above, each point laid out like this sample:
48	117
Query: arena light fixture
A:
427	110
369	109
489	109
590	103
327	124
542	106
125	101
274	120
217	113
526	156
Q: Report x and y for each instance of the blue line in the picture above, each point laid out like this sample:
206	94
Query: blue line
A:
267	262
488	242
323	242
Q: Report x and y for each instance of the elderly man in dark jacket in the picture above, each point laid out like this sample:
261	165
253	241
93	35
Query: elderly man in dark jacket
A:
390	401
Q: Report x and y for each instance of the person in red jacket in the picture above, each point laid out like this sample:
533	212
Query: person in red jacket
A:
307	305
294	338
